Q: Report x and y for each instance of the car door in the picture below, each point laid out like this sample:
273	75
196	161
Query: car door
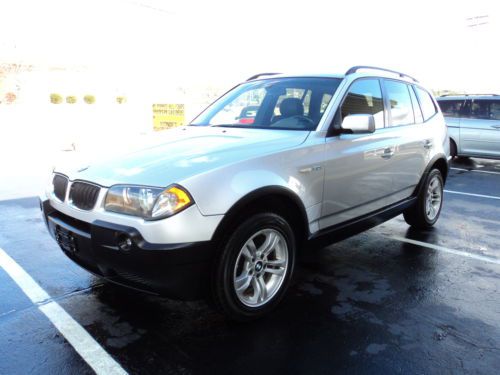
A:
358	167
406	125
480	128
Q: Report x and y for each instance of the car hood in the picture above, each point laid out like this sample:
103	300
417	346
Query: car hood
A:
183	152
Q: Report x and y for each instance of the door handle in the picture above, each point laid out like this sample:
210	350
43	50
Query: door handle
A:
497	127
311	169
428	143
388	152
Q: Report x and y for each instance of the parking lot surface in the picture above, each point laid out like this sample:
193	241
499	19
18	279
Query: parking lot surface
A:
390	300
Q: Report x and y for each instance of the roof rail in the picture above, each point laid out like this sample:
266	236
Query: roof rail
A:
354	69
260	75
441	96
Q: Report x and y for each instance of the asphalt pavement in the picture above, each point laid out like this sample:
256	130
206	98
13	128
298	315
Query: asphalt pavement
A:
390	300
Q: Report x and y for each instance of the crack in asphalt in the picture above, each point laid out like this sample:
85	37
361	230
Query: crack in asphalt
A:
52	299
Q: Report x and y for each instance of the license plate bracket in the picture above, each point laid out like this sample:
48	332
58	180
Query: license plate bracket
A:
66	239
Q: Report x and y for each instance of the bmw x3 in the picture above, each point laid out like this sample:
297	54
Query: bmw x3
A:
223	206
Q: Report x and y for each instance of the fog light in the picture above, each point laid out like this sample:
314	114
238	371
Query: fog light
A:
124	242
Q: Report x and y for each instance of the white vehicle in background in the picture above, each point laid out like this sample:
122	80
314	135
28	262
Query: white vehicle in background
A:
473	124
277	162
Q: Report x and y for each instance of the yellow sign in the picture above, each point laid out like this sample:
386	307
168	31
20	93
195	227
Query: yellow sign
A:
166	116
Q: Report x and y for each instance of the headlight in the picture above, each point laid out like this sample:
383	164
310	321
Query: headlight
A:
147	202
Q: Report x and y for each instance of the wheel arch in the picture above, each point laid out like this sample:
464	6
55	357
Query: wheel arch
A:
270	198
454	136
452	141
440	162
442	165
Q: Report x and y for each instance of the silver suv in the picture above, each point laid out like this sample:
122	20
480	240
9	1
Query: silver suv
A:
473	124
278	162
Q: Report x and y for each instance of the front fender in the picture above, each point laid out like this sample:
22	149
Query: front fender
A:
216	191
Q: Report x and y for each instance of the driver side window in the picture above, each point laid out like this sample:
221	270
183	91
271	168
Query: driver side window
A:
364	97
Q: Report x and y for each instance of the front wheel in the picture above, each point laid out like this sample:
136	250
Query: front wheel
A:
254	267
427	209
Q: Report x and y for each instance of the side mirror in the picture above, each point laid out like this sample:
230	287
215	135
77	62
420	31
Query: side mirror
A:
359	124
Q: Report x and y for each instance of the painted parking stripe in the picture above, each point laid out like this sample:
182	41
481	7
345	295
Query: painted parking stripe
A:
474	170
472	194
447	250
84	344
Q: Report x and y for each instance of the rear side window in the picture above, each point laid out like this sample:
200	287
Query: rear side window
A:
450	108
365	97
495	110
426	103
485	109
400	106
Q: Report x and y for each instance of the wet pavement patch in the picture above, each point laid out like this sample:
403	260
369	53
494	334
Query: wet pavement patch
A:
367	305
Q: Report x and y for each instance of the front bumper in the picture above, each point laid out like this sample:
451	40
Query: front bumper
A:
176	270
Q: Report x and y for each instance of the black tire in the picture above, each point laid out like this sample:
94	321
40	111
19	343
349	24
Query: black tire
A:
453	148
418	216
224	293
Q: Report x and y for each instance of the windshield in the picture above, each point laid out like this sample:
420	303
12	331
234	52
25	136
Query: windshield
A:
280	103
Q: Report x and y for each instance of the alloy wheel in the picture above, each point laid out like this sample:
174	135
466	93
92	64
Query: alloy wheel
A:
434	198
261	267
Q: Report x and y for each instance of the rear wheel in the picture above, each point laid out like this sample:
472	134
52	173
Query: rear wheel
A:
425	212
254	267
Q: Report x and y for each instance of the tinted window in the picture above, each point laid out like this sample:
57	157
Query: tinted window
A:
485	109
480	109
401	109
426	103
450	108
495	110
365	97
